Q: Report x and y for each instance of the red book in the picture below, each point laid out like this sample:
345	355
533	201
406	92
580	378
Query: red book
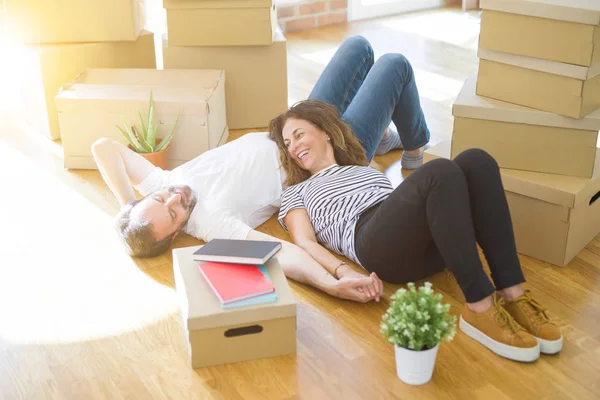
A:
234	282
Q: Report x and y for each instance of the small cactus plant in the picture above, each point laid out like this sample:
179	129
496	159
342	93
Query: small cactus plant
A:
143	139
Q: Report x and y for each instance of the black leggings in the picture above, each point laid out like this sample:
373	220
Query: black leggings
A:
435	218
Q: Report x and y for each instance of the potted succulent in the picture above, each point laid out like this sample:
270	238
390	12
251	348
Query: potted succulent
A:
416	323
143	139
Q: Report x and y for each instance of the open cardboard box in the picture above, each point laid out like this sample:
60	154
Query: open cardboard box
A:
554	217
221	22
257	86
567	31
565	89
221	336
74	21
91	107
524	138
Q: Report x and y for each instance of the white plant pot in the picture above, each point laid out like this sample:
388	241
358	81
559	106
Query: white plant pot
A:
415	367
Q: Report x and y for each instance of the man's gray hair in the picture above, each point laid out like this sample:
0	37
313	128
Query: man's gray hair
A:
138	237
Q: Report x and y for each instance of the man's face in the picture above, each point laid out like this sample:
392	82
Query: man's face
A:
167	209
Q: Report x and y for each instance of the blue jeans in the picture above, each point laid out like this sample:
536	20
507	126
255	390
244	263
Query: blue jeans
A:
368	95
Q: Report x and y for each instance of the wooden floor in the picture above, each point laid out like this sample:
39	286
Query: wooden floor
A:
79	320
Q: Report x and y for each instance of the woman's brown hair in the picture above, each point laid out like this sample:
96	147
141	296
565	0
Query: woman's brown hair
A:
346	147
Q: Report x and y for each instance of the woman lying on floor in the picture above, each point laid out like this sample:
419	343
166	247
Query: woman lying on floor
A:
337	204
231	190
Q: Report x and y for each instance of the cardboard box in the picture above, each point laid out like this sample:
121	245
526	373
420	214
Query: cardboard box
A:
47	67
211	330
567	31
554	217
92	105
256	89
221	22
524	138
74	21
564	89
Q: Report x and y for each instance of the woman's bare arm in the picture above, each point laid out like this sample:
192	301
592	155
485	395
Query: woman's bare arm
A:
303	234
298	265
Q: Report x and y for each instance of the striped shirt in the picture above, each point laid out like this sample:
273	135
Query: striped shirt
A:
334	199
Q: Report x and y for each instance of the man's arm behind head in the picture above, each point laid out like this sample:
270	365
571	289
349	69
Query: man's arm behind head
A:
120	167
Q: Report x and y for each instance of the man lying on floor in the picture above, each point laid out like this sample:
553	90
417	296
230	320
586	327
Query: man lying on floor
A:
228	191
223	193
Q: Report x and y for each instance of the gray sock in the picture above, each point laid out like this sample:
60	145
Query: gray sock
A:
412	161
389	142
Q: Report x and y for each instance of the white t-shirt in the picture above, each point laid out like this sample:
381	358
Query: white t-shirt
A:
238	185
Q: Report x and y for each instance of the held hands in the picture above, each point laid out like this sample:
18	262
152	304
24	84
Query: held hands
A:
355	286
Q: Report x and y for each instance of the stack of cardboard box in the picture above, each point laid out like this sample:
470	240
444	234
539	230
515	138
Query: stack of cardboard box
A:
535	107
240	37
65	37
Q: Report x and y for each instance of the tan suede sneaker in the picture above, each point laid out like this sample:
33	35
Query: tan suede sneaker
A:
498	331
532	316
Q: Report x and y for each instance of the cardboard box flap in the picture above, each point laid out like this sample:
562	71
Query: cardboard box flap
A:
551	67
469	105
119	98
204	310
53	48
194	4
204	78
580	11
115	89
557	189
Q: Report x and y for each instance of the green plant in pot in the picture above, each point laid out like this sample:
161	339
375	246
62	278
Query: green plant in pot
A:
143	139
416	323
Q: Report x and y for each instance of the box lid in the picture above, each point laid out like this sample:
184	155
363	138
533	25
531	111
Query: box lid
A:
120	99
551	67
192	4
204	78
580	11
45	48
278	37
201	308
469	105
557	189
117	90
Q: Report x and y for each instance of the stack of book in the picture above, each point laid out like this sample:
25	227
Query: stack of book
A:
534	105
235	271
240	37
